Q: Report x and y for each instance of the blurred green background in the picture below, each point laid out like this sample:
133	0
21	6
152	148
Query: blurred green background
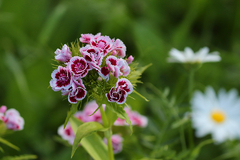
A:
30	32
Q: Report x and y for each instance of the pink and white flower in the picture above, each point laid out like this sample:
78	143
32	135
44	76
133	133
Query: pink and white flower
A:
86	38
135	118
61	79
113	63
119	93
78	66
123	67
63	55
3	109
119	49
76	94
125	85
130	59
89	110
92	55
13	120
116	143
67	133
104	43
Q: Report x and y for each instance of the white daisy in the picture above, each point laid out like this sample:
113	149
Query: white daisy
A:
218	115
188	56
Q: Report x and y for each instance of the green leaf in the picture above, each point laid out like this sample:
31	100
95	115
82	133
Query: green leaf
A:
72	111
118	109
22	157
180	122
197	149
1	149
111	116
83	131
9	144
93	143
2	128
52	23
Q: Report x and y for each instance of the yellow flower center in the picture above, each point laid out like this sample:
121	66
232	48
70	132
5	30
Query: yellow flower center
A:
218	116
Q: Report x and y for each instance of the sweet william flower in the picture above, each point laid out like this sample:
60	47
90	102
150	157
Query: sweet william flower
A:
130	59
63	55
217	115
116	143
119	93
119	48
11	118
97	65
135	118
188	56
67	133
104	43
93	56
78	66
61	79
86	38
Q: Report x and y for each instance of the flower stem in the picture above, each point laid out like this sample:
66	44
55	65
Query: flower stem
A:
190	90
108	134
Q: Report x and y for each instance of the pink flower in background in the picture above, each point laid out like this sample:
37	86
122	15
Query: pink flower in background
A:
61	79
63	55
89	109
135	118
86	38
138	119
67	133
11	118
78	66
116	143
119	49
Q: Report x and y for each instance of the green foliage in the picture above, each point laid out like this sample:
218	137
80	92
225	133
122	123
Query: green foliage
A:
3	141
22	157
85	130
32	30
92	143
73	110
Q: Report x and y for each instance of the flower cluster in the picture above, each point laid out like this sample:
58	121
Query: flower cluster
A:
135	117
216	114
11	118
100	59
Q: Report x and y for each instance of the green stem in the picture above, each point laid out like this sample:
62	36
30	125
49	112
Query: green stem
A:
190	90
190	84
108	134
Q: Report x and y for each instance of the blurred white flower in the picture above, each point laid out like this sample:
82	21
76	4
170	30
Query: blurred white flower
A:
217	115
188	56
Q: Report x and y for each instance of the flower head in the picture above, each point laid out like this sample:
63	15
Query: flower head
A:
94	70
188	56
216	114
63	55
11	118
